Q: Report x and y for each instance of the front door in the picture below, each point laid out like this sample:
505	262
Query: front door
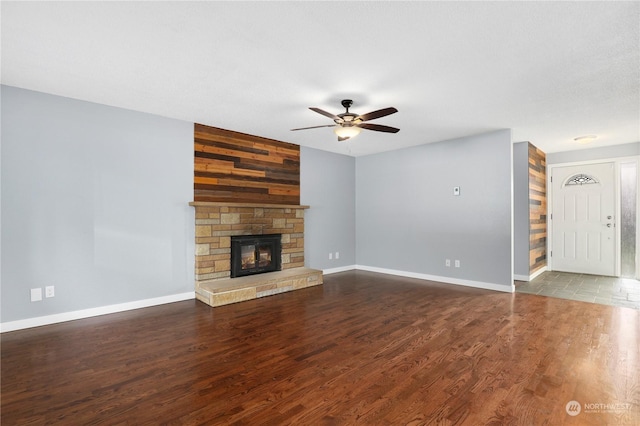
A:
582	218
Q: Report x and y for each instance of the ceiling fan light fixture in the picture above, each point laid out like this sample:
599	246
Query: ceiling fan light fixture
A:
345	132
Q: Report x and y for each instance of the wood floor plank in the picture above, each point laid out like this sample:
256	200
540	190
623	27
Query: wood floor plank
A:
364	348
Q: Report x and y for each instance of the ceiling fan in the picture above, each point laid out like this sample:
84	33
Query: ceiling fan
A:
348	124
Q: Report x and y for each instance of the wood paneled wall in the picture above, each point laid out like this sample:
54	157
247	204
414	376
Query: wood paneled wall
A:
537	209
240	168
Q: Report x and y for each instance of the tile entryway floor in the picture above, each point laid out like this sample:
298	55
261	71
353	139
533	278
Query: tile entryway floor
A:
612	291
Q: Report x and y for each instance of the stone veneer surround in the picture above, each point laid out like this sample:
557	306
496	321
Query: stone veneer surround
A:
217	222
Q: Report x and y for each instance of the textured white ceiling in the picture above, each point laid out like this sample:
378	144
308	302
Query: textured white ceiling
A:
550	71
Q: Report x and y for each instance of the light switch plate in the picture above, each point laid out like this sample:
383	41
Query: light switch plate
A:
36	294
456	190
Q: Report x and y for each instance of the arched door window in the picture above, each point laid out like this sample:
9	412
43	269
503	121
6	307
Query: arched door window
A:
580	179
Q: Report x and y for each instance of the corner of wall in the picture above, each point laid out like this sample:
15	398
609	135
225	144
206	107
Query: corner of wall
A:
537	209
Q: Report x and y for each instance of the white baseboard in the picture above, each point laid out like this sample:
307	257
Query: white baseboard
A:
538	272
339	269
104	310
93	312
530	277
445	280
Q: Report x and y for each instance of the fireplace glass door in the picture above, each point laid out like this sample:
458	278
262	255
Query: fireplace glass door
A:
255	254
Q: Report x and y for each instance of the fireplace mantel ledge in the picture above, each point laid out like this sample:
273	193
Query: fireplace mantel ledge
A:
266	206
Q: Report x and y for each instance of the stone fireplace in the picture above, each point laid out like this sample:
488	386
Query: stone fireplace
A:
216	224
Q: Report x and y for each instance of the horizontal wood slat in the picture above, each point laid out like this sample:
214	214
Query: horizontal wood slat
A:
212	196
236	167
206	136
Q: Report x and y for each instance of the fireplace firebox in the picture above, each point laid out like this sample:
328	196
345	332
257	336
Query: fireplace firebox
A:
255	254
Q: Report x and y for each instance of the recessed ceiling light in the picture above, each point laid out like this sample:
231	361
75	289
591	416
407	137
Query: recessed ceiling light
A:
585	139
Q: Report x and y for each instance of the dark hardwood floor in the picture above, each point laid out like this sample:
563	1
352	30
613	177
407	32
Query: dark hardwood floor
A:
364	348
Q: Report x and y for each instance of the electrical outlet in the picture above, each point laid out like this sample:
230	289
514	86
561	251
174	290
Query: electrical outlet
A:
457	263
447	263
337	255
330	256
36	294
49	291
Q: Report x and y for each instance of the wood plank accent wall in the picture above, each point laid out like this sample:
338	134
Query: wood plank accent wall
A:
537	209
240	168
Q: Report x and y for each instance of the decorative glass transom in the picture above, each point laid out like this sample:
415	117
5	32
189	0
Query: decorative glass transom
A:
581	179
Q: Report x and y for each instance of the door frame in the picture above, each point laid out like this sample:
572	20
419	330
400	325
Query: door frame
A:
617	162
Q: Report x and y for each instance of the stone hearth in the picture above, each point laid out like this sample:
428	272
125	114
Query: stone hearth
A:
217	222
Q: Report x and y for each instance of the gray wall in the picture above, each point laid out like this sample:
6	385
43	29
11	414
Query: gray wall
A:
327	183
95	202
521	208
625	150
407	218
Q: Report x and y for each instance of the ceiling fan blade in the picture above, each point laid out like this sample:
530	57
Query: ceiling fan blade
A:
325	113
314	127
377	114
378	128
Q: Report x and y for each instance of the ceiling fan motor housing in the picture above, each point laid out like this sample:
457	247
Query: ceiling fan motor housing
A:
347	118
